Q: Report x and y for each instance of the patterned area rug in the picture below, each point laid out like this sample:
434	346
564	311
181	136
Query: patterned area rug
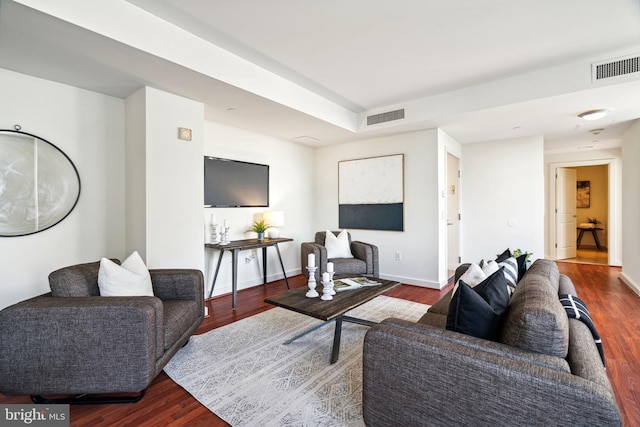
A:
245	375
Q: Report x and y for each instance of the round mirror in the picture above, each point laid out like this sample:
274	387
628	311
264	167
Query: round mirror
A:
39	184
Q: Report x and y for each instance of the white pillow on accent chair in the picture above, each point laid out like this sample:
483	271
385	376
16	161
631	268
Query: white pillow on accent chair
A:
337	246
132	278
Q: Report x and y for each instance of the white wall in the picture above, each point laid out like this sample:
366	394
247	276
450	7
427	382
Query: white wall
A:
611	157
502	198
174	182
89	128
631	208
291	182
419	242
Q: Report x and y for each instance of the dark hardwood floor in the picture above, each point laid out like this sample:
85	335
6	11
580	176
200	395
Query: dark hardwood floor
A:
613	306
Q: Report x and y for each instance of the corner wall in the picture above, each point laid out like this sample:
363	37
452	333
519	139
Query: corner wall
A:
291	181
631	208
89	128
502	202
419	243
165	179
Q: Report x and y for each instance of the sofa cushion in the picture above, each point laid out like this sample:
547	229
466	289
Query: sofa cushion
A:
79	280
547	269
179	315
338	246
535	319
510	269
478	311
132	278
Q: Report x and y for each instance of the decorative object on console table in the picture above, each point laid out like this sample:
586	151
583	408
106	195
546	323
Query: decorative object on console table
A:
259	227
275	219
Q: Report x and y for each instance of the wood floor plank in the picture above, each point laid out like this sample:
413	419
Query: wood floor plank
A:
613	306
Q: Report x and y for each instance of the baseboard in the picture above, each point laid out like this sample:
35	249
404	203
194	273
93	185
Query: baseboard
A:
630	284
413	281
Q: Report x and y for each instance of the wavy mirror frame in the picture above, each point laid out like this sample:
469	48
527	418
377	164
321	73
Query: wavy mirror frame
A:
39	184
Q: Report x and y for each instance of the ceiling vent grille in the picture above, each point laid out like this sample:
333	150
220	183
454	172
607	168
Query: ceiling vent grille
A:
385	117
620	67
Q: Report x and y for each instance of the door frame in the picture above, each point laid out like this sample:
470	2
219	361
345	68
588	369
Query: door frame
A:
614	235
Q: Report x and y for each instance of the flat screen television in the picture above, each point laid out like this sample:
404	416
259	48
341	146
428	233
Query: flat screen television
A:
235	184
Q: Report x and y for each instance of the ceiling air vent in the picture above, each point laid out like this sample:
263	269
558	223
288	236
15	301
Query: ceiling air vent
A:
616	68
385	117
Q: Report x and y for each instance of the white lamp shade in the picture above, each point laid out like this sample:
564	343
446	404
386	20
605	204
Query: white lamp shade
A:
274	218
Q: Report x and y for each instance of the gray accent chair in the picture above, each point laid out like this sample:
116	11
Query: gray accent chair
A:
71	341
363	263
544	371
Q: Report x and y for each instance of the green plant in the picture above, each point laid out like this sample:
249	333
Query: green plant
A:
594	221
259	226
518	252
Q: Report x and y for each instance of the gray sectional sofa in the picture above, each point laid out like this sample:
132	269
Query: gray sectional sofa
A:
544	370
72	341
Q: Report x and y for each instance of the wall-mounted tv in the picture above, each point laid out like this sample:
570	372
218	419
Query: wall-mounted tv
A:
235	184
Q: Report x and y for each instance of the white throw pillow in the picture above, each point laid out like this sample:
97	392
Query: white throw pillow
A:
132	278
490	267
337	247
472	276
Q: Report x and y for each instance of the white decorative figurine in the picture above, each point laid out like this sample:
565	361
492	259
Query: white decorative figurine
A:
311	268
326	287
331	272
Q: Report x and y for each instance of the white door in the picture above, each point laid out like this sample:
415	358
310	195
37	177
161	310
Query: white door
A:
565	213
453	212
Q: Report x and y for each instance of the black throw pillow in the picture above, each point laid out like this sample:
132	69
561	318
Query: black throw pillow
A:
504	255
522	265
479	311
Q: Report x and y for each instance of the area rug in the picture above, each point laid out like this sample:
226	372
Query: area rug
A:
245	375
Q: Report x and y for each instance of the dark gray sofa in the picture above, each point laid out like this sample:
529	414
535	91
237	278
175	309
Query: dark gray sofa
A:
545	371
73	341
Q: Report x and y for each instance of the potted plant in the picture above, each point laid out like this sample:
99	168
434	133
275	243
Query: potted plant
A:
259	227
594	221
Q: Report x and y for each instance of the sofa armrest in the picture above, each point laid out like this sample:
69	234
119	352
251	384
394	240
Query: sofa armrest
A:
181	284
74	345
416	374
369	254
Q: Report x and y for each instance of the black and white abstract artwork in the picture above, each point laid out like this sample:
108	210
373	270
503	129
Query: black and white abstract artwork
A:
371	193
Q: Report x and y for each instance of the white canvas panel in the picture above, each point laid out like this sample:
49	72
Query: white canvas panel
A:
371	181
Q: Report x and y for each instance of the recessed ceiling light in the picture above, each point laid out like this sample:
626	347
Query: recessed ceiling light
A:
596	131
593	114
585	147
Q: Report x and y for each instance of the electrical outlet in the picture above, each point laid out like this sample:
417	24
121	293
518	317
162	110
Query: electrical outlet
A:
398	256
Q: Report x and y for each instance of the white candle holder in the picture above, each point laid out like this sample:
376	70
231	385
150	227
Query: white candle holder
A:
326	290
332	291
224	235
312	293
214	233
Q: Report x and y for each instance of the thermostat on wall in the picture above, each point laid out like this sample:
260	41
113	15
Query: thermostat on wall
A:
184	134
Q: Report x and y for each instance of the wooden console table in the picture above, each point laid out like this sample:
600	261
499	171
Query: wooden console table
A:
594	232
236	246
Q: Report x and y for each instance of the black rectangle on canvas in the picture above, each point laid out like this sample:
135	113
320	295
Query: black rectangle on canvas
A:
372	217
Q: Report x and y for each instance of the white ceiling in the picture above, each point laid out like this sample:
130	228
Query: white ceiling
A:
480	70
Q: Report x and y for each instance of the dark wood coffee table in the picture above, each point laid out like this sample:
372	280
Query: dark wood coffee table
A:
330	311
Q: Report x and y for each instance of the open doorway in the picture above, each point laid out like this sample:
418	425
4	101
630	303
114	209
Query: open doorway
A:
593	235
453	213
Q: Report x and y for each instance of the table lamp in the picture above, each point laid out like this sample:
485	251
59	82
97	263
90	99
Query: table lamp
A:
274	219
